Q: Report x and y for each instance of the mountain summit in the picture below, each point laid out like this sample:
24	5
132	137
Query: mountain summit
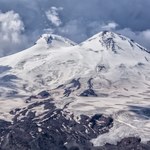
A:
113	43
106	74
54	40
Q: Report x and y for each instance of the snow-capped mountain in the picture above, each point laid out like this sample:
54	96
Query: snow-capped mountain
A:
107	74
106	59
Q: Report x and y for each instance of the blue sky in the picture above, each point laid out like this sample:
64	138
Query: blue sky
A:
23	21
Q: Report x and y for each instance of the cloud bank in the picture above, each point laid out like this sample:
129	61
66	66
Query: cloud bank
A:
75	19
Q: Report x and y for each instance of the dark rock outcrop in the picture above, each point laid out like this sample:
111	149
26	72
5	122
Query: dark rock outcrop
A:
88	92
54	129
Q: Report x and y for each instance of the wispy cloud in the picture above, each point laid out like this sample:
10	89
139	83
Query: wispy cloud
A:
53	16
110	26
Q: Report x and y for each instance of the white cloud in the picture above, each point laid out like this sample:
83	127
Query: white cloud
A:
11	28
146	34
110	26
53	16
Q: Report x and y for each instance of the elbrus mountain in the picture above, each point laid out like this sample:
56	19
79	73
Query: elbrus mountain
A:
59	95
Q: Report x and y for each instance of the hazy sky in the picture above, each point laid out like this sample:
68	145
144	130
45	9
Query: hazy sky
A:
23	21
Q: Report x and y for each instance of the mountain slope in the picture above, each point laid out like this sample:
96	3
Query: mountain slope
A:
107	56
106	74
